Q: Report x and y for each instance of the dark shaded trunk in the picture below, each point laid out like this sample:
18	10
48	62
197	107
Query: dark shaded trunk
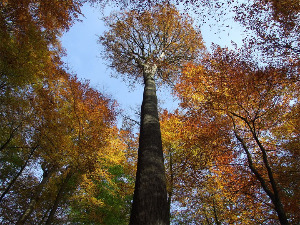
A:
12	182
170	191
206	218
42	222
274	195
4	145
11	135
35	198
150	204
215	214
58	198
275	198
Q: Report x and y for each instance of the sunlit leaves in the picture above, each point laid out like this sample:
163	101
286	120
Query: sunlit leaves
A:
161	36
55	129
252	103
72	126
29	46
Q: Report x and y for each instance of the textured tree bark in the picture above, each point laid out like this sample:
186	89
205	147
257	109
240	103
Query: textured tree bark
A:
150	205
170	191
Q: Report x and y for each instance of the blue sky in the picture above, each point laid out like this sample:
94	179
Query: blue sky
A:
83	56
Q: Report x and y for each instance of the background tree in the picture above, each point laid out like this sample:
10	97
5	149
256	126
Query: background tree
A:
152	45
29	33
54	128
253	100
236	148
72	135
206	176
275	25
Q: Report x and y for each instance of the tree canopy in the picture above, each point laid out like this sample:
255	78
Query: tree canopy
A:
160	36
229	153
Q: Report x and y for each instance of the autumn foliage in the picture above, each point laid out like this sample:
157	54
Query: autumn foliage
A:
58	135
229	154
241	108
160	36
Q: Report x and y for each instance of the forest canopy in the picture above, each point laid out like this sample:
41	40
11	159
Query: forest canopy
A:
228	154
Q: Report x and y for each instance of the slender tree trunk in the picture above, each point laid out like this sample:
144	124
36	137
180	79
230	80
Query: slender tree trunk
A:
215	214
42	222
59	196
276	198
12	182
11	135
3	146
274	195
35	198
206	217
150	204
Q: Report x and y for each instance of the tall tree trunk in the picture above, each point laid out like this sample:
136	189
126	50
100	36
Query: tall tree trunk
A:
58	198
35	198
150	205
